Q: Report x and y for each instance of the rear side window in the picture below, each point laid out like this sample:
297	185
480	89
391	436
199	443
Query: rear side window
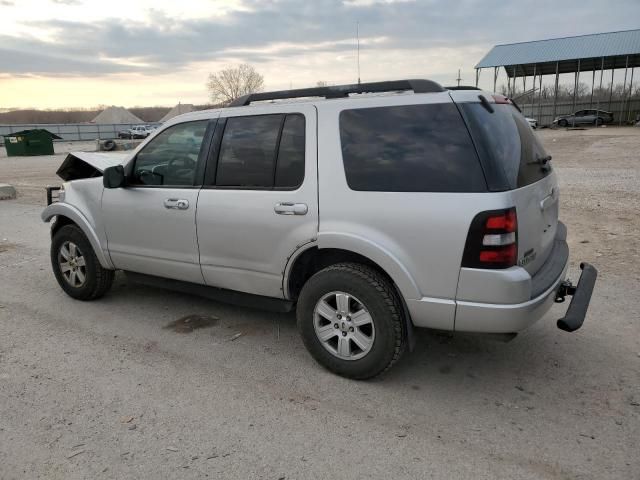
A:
508	147
262	151
290	165
247	153
409	148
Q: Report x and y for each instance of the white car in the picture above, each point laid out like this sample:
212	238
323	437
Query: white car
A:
532	122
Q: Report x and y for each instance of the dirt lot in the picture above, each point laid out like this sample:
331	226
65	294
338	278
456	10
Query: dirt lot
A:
104	390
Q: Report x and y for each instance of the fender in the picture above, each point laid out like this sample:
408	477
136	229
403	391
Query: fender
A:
71	212
376	253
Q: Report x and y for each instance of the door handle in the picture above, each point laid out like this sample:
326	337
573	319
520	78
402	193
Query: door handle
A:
290	208
176	203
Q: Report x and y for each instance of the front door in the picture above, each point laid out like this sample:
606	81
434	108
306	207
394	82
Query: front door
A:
260	200
151	223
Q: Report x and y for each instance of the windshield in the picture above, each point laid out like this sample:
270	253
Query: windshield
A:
509	149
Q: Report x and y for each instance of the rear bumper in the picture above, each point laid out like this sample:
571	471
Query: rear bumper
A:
506	318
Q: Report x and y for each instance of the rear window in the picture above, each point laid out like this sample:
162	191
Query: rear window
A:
409	148
508	147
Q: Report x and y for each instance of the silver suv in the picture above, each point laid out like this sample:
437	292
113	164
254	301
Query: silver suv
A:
371	208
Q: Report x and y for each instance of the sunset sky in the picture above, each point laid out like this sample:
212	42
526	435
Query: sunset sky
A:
84	53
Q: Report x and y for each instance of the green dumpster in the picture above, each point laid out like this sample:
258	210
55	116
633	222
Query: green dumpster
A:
30	142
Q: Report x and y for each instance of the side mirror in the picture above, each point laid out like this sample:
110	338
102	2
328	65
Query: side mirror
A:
113	177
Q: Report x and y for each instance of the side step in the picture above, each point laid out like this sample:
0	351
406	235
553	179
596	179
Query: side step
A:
218	294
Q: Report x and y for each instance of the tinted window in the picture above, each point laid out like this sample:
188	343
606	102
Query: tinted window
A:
247	153
171	157
508	147
290	165
414	148
262	151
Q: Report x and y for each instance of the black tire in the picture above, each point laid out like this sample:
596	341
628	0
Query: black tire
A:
598	121
109	145
563	123
97	280
379	297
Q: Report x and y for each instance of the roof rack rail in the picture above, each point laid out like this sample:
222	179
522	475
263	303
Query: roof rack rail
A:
341	91
463	87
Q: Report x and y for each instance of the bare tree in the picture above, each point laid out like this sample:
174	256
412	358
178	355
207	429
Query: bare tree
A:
233	82
321	83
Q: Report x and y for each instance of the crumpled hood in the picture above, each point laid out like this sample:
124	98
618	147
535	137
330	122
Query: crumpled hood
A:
89	164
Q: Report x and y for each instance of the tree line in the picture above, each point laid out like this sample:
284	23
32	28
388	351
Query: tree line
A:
565	93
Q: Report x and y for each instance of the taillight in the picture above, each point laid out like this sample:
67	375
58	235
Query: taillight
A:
492	241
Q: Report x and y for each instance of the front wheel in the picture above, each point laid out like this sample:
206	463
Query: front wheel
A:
76	266
351	321
563	123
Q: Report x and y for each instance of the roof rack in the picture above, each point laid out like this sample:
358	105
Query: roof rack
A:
341	91
463	87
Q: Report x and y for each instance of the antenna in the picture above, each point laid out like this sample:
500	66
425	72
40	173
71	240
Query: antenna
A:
358	47
458	79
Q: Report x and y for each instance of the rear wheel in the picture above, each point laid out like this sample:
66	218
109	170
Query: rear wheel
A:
76	266
351	320
598	121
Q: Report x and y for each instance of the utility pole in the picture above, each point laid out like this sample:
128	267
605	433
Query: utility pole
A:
358	48
458	79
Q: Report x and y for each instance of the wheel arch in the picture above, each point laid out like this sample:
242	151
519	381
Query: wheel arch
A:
66	214
357	247
308	260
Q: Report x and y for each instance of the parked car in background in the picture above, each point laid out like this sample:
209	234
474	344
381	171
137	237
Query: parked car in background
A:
532	122
138	131
584	117
370	214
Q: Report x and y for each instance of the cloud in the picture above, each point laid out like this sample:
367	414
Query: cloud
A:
267	31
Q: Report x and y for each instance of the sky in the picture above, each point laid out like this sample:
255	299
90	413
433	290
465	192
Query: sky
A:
86	53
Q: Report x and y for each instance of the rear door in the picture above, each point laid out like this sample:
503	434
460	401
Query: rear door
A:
515	160
260	199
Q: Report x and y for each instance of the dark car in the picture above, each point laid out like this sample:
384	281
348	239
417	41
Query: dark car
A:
584	117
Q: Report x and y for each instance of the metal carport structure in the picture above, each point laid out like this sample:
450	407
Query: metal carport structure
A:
584	53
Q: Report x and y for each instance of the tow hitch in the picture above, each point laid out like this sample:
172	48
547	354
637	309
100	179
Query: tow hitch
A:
566	288
581	293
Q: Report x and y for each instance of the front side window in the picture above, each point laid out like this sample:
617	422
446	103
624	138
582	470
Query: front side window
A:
409	148
170	159
262	151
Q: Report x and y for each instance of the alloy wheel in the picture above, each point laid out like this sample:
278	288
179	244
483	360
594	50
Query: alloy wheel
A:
344	326
72	264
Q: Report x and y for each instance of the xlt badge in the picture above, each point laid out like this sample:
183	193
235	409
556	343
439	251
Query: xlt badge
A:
529	256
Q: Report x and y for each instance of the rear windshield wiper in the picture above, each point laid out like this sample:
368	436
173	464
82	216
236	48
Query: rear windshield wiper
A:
541	160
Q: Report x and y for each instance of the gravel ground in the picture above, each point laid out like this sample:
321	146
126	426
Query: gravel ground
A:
112	389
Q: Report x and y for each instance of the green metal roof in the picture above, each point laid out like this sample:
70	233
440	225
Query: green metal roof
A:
613	47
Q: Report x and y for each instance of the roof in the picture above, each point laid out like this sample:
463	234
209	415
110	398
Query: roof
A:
34	131
179	109
116	115
591	49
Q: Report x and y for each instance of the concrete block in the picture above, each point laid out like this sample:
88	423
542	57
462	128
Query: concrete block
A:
7	192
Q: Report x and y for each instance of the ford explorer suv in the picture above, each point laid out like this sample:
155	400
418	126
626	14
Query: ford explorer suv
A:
372	209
